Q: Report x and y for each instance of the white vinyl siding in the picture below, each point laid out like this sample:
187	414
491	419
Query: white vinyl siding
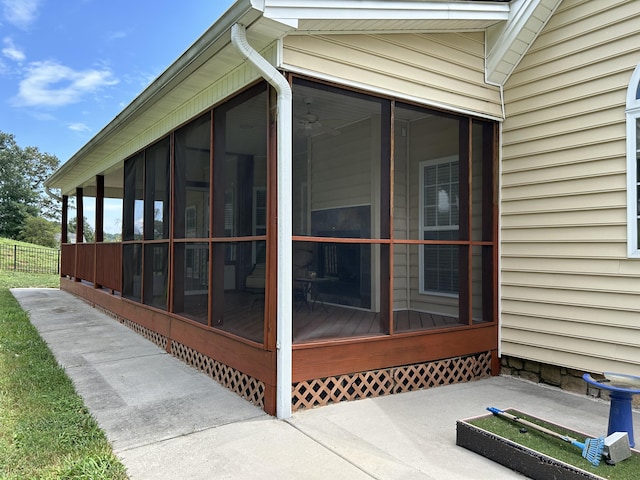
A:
442	69
569	292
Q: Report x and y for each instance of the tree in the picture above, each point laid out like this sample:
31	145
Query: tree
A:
87	230
40	231
22	192
39	167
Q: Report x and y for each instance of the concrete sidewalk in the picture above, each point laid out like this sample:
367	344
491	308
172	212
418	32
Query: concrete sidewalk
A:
165	420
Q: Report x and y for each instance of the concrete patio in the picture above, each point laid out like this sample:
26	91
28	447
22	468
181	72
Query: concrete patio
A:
165	420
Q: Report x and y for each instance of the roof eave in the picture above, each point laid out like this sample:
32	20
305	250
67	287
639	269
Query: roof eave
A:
510	41
278	18
202	49
332	10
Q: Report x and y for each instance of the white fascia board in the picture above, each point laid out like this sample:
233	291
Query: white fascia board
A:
526	20
293	10
217	34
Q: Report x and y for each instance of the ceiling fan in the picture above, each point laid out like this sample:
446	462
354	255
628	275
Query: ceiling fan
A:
309	124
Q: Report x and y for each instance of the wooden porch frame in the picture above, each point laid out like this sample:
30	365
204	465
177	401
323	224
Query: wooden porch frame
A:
313	359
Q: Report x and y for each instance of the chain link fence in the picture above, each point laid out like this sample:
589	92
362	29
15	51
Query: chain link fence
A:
29	259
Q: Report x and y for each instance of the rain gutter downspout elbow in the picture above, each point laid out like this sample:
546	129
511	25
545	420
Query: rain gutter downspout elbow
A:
284	225
57	198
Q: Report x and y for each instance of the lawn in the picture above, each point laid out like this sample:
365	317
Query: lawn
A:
26	257
46	432
555	448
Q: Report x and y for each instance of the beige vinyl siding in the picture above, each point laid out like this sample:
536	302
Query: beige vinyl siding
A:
401	221
336	183
441	141
444	69
416	148
569	294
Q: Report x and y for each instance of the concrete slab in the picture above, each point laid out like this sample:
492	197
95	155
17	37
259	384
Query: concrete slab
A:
262	448
167	421
136	391
416	432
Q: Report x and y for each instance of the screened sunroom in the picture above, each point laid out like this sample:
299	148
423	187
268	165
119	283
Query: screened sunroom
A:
376	273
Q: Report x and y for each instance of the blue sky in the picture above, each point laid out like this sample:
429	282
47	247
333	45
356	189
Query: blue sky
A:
67	67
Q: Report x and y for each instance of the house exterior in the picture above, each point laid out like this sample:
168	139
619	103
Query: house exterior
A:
329	200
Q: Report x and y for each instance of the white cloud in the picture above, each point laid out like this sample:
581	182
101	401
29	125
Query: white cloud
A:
50	84
42	116
21	13
116	35
11	51
79	127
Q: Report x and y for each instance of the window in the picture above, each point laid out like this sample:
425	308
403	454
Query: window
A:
444	208
439	219
146	218
340	171
633	165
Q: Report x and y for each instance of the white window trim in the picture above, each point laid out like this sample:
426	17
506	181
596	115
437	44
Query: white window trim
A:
633	116
422	164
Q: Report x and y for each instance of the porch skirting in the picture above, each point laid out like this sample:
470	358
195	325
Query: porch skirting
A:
324	391
255	383
388	381
240	383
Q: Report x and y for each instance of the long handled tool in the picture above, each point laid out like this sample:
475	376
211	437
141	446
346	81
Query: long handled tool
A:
592	448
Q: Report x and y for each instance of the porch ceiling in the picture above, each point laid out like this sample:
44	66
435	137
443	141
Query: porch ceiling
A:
209	59
357	16
212	57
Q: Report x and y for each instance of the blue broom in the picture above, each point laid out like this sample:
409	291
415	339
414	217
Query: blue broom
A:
592	448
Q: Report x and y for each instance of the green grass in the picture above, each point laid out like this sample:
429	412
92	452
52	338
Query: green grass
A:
46	431
555	448
9	279
30	257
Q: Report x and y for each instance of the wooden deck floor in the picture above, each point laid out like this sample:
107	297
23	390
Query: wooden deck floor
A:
243	316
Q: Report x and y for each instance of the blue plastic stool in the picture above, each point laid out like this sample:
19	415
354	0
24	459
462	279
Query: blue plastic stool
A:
620	415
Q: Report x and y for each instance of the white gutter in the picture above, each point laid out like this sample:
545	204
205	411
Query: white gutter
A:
285	218
58	198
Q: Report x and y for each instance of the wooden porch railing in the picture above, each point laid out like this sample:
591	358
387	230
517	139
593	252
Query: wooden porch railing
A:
98	263
68	259
109	265
85	261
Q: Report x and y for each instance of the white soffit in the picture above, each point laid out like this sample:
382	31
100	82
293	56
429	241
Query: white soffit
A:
353	16
509	42
211	57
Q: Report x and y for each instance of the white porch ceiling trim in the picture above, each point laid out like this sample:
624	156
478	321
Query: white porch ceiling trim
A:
295	10
508	42
510	26
384	16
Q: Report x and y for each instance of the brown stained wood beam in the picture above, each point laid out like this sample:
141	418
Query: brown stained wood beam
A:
99	234
465	253
79	231
326	359
79	216
271	279
64	234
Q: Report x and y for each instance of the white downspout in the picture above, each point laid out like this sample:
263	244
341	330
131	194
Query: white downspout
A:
285	217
